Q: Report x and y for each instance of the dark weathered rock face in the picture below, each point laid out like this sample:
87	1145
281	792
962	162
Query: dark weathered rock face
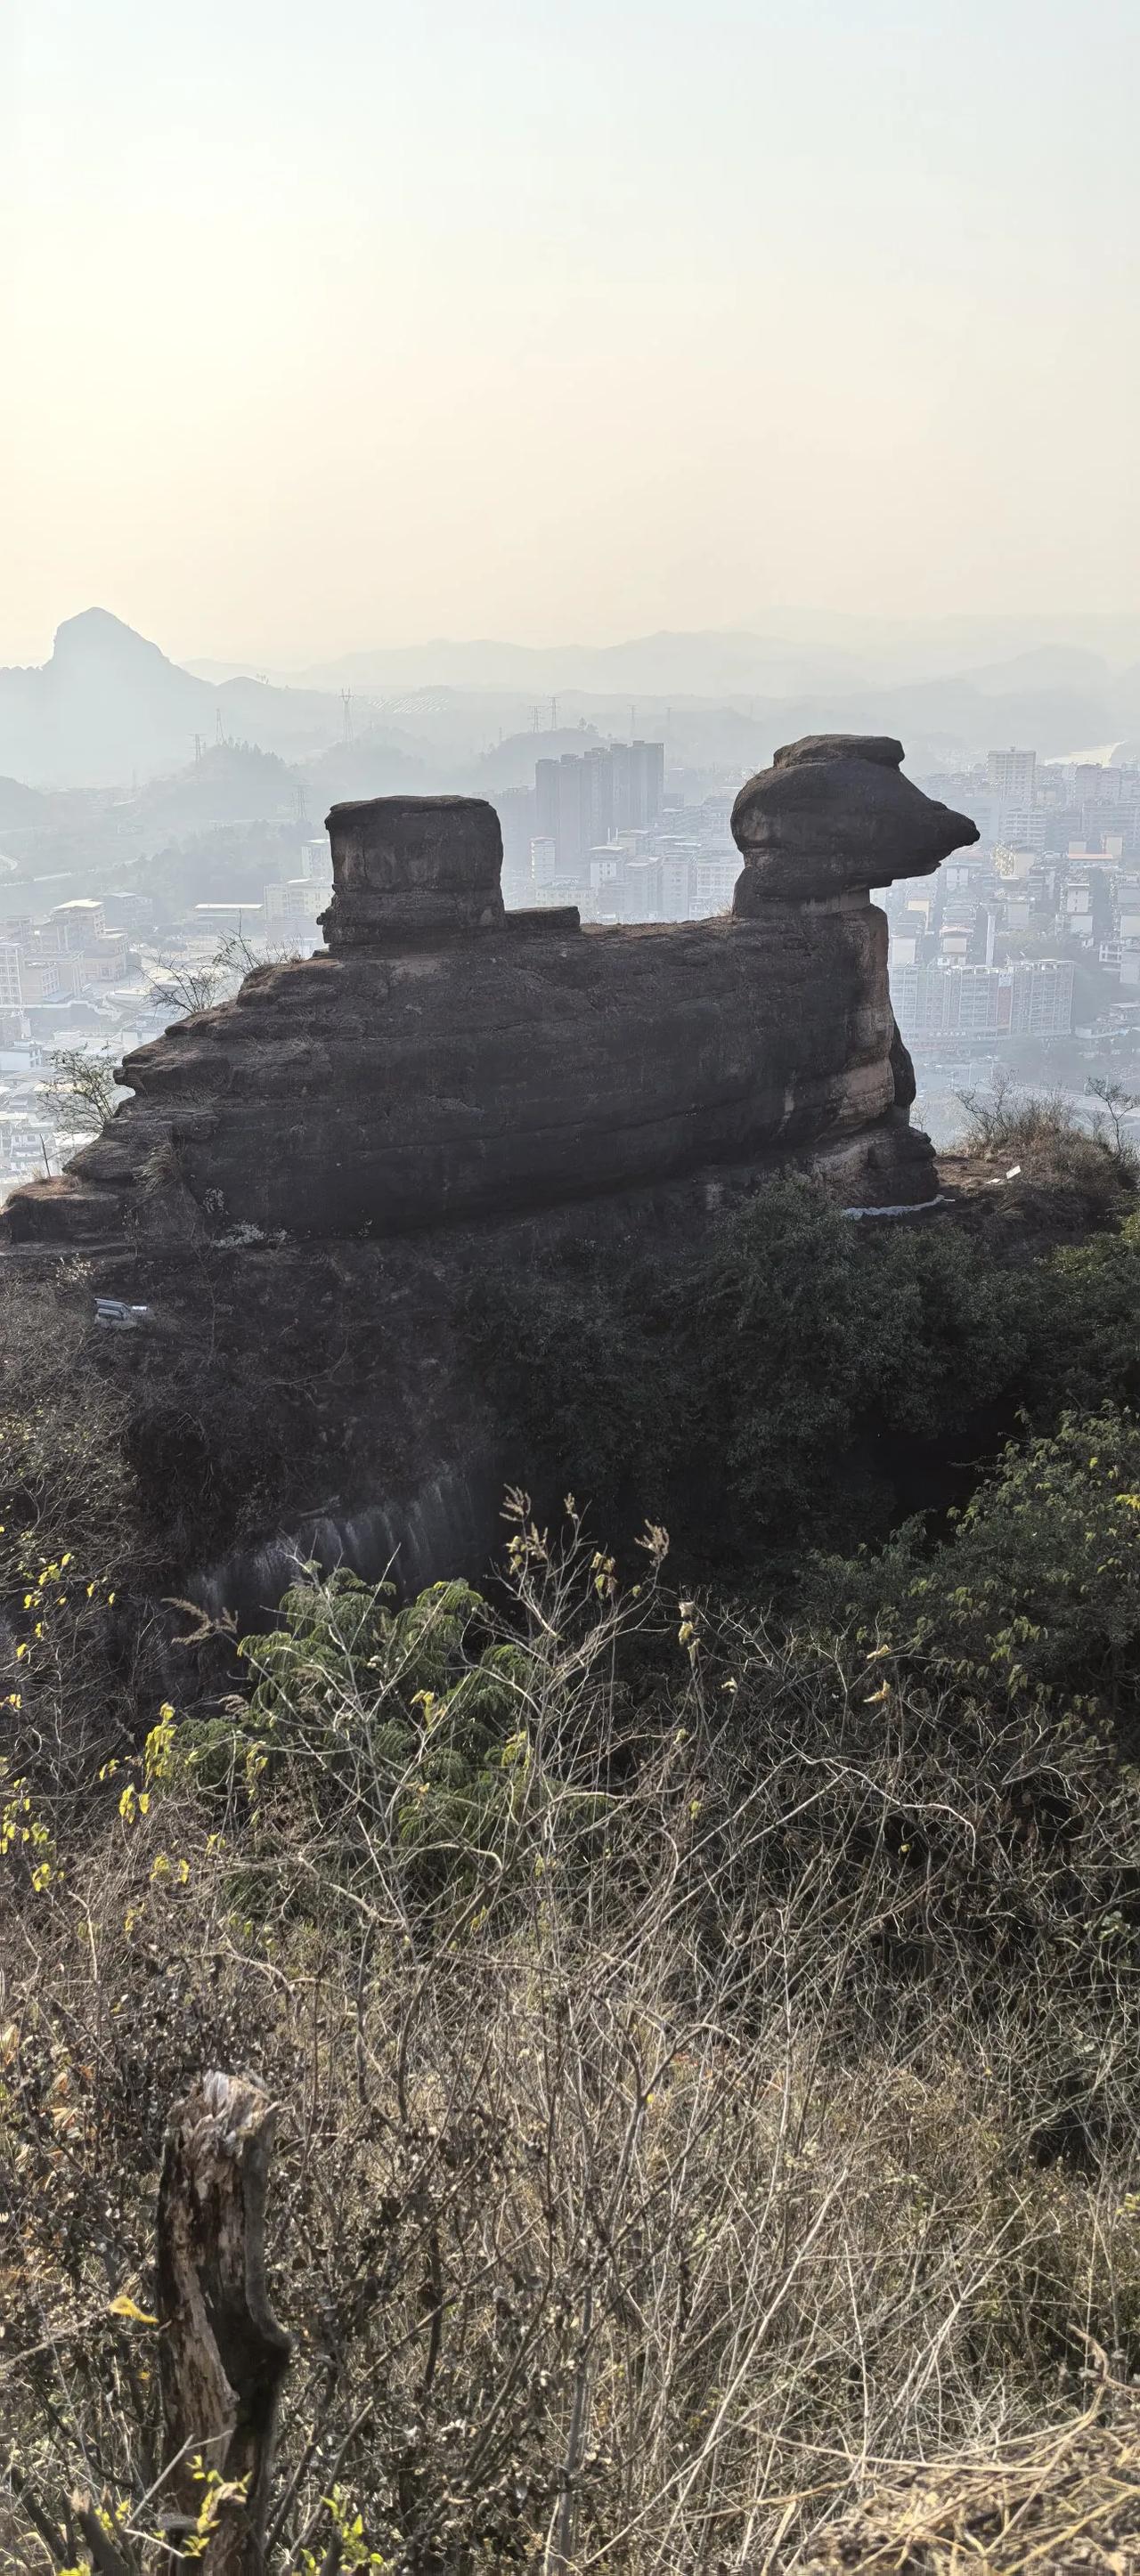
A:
412	868
449	1061
835	814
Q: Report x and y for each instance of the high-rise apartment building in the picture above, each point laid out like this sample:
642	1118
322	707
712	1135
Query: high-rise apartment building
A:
1095	783
561	810
947	999
713	882
294	905
586	798
316	860
78	924
638	772
1020	827
1012	775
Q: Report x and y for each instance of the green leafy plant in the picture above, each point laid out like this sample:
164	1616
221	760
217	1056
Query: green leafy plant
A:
1037	1585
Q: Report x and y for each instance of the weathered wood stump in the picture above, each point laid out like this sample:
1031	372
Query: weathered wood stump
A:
223	2354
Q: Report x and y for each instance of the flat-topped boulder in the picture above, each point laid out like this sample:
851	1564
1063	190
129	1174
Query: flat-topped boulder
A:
410	869
445	1060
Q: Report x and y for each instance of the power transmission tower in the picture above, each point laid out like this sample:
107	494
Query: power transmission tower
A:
346	702
536	720
554	715
219	728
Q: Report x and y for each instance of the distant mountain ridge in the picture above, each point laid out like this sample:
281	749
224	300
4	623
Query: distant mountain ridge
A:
785	657
110	707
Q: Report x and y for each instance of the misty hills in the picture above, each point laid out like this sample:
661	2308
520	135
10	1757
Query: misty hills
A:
655	666
19	805
796	656
109	703
109	707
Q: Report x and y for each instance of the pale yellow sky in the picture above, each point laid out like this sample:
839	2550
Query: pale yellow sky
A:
328	327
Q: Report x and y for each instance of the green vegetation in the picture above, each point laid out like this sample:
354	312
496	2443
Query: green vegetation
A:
792	1369
707	2032
1039	1584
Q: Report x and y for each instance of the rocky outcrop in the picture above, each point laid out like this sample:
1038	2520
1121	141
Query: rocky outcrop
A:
413	869
446	1061
835	816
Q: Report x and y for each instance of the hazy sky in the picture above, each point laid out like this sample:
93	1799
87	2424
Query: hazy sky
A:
357	323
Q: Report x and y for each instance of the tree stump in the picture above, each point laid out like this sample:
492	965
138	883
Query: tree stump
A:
223	2354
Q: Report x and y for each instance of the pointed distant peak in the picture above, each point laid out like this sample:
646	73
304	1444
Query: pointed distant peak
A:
96	635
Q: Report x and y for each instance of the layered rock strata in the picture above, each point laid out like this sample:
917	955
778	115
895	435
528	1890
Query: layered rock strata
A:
445	1060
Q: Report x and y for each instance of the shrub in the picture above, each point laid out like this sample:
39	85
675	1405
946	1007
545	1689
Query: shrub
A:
1083	1345
768	1391
748	1387
1038	1586
580	1353
399	1731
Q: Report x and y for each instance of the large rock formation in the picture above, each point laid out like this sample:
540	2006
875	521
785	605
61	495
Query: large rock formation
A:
446	1060
835	816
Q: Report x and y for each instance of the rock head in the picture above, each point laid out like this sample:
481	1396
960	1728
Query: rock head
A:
834	815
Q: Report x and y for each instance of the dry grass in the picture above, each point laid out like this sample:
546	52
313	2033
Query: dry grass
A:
710	2073
1091	1158
1061	2503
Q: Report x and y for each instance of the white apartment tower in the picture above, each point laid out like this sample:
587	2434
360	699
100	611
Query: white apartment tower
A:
1012	775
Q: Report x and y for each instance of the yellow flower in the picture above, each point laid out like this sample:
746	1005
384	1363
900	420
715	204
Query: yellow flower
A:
124	2306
